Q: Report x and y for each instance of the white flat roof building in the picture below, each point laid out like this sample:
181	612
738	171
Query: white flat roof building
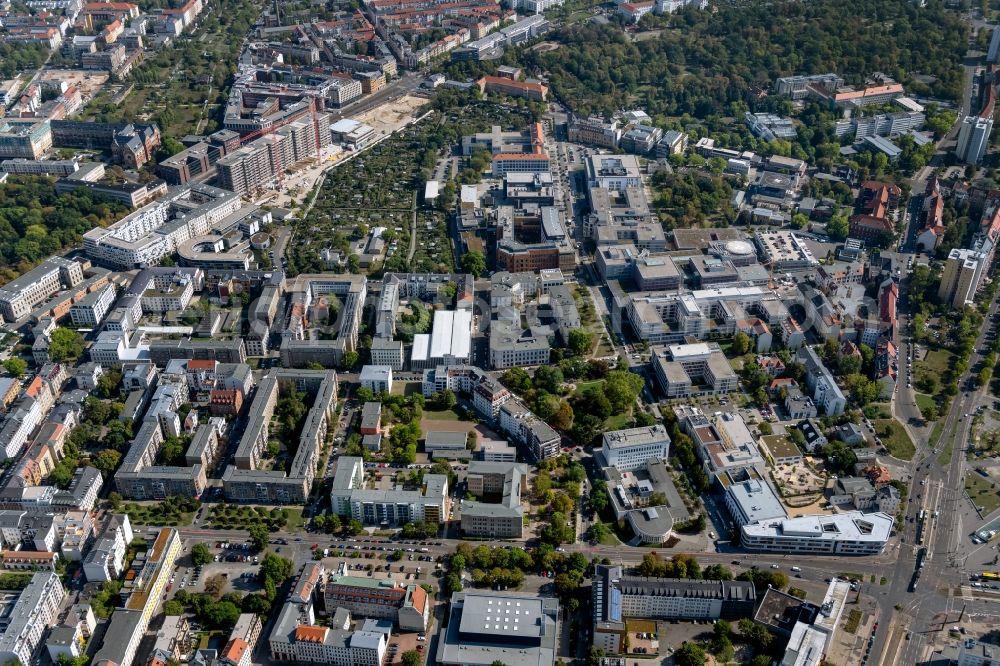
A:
631	449
851	533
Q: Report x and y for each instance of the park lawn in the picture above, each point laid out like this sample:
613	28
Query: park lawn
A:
618	421
583	386
924	401
937	362
446	415
983	492
295	521
895	438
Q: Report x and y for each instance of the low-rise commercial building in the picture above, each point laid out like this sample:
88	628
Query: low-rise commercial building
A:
486	627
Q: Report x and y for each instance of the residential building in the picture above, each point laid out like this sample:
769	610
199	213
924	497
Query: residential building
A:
594	131
350	497
963	273
92	308
143	590
34	611
106	558
19	296
973	138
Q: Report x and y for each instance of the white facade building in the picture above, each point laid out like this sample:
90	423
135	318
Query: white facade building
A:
631	449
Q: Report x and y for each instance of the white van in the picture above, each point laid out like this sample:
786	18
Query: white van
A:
796	569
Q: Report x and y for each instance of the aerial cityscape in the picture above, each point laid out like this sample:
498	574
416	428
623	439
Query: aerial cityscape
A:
499	333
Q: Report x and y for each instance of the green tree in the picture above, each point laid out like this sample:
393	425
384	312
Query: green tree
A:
473	262
349	360
173	607
106	461
689	654
200	554
15	366
259	536
838	227
411	658
581	341
742	343
65	344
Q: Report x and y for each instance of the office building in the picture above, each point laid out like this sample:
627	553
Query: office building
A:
751	499
632	449
618	598
377	378
447	445
693	369
296	637
26	139
486	627
496	513
613	172
850	533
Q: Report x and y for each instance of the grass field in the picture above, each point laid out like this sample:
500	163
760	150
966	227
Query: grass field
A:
938	361
446	415
983	492
924	401
895	438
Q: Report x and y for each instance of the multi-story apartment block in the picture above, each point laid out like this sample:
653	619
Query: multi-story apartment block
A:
963	273
21	294
243	480
974	138
540	440
349	497
594	131
106	559
144	591
35	610
144	237
92	308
